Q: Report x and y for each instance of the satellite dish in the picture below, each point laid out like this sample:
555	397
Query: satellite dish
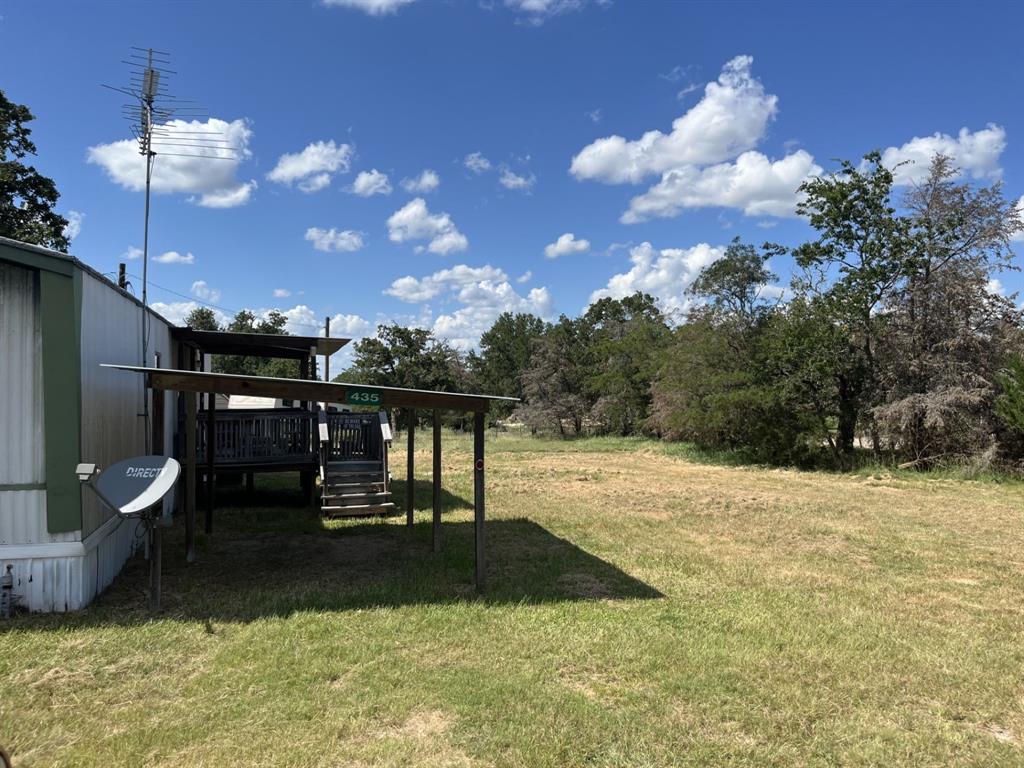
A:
132	486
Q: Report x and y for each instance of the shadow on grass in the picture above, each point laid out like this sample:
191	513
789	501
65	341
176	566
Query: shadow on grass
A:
247	570
282	490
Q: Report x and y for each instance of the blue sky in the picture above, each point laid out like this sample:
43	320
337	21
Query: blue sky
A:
534	117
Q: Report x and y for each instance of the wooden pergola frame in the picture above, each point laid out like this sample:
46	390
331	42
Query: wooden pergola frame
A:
197	382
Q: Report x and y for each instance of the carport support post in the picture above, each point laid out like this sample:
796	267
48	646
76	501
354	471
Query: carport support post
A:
157	519
410	467
437	481
191	416
478	499
211	450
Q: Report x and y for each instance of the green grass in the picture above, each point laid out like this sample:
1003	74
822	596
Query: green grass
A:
644	609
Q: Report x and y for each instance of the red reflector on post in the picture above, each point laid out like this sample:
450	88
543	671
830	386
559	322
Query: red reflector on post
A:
479	463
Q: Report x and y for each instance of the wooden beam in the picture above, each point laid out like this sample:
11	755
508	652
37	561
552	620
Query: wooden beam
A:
478	500
159	397
410	467
211	451
296	389
437	481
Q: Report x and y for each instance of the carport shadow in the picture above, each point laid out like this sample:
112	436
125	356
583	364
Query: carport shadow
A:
242	573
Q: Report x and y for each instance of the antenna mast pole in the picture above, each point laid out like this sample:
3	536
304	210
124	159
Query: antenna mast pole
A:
150	83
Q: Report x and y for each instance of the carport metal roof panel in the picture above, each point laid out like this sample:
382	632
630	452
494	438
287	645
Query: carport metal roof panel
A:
258	344
301	389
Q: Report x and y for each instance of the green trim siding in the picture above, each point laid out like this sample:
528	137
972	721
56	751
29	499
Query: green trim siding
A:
35	260
60	302
22	487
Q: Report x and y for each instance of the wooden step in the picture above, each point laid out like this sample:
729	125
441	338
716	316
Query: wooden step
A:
337	478
349	467
357	498
368	487
360	510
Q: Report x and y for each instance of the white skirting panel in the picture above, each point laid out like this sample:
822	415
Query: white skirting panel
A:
66	576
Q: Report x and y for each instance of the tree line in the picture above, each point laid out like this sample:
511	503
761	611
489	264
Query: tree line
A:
892	340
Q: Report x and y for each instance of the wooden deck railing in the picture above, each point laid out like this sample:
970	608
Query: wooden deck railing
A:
278	436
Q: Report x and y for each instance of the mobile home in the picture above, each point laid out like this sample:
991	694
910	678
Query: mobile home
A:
59	319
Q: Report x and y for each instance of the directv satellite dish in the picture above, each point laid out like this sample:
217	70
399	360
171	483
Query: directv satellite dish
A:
132	486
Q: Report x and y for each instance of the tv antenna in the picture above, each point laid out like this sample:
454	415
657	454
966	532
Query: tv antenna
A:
163	124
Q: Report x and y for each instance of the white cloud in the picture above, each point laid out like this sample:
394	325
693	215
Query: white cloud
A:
313	167
415	222
228	198
202	290
173	257
213	180
976	153
753	183
482	304
174	312
512	180
132	253
483	293
351	326
565	245
525	277
282	293
536	12
370	183
995	287
476	162
427	181
332	239
301	320
74	227
730	118
595	115
686	90
370	7
664	274
415	290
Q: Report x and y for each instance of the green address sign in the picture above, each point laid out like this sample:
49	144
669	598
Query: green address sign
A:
362	397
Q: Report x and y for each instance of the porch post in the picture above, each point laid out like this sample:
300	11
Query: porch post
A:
191	416
156	543
478	499
211	450
437	481
410	466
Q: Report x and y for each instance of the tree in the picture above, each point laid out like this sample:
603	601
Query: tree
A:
1010	404
716	384
863	251
407	357
246	321
947	332
504	355
27	198
554	385
202	319
625	339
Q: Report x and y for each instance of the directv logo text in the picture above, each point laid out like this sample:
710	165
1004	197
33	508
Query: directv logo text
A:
143	471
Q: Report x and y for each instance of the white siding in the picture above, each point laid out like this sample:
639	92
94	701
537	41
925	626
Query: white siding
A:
69	582
21	399
112	424
64	571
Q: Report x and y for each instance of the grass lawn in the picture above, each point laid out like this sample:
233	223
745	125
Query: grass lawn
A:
643	610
